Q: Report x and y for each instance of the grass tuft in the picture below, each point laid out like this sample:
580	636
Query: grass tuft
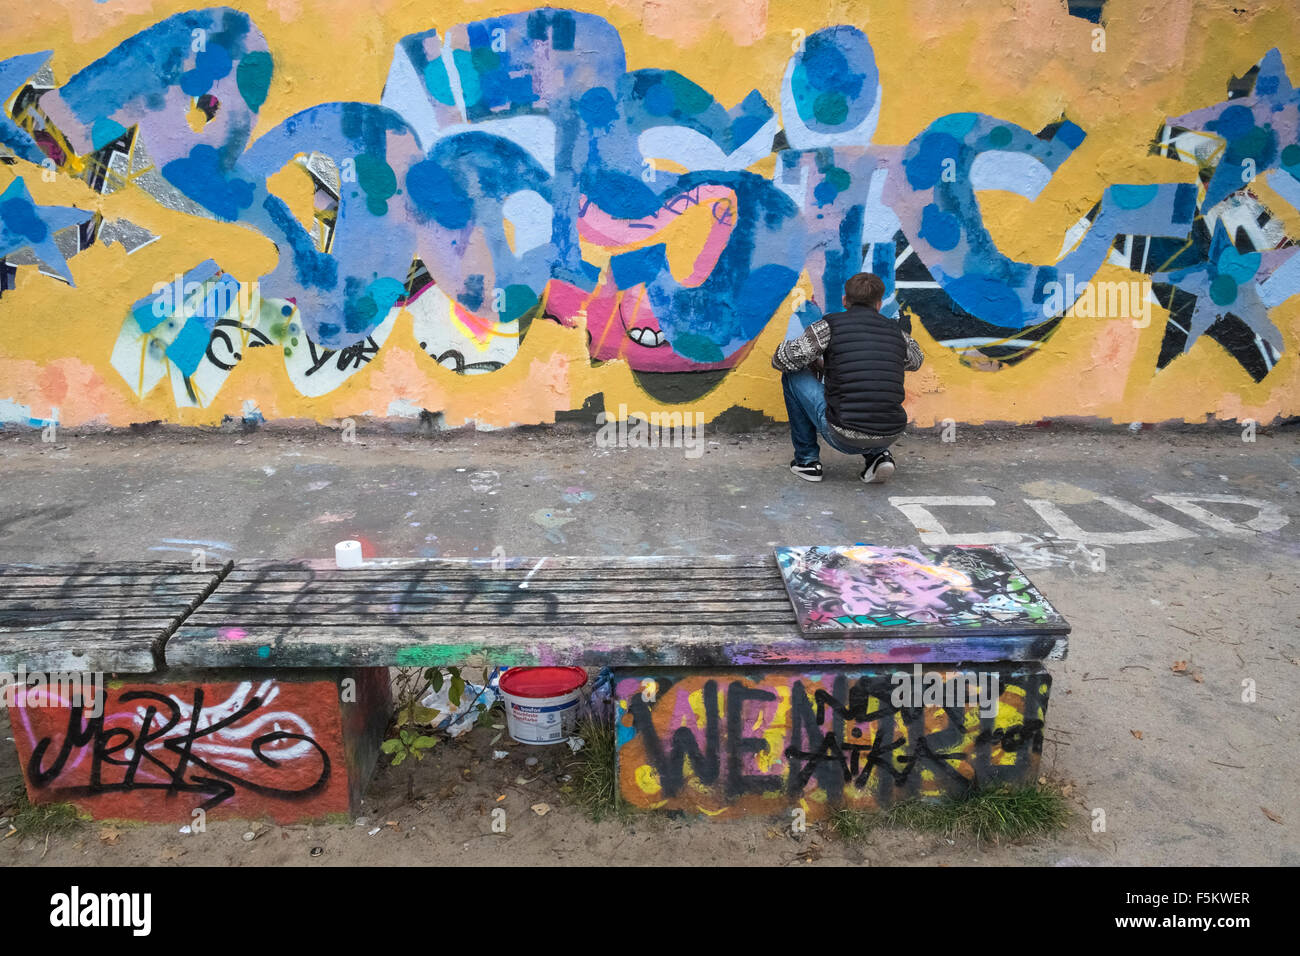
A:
998	813
595	781
43	819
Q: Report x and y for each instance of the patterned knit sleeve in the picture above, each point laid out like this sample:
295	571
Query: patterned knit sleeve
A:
914	354
799	353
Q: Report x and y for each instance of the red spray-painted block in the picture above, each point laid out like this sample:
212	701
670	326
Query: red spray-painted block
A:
235	744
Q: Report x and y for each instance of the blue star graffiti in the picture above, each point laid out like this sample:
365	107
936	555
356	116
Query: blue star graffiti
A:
25	225
1237	261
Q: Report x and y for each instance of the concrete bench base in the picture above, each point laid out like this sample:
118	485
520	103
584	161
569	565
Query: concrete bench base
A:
729	742
292	746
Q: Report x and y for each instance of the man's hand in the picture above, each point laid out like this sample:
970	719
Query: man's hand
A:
915	358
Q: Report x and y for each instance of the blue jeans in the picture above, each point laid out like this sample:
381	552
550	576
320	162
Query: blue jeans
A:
805	404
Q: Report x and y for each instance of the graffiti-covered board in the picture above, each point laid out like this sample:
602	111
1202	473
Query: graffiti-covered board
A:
923	591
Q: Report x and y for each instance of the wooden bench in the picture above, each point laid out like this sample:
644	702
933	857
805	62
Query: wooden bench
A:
722	704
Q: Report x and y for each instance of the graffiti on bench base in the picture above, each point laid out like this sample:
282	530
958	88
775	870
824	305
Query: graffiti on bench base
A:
159	752
758	742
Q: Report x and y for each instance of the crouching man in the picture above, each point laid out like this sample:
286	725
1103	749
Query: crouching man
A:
843	379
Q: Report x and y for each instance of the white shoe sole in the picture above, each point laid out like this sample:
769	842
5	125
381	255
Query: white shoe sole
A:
805	477
881	474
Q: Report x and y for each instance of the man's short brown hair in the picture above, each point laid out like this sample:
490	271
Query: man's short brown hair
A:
865	288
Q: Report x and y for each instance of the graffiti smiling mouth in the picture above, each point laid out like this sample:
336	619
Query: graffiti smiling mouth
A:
649	338
641	327
647	334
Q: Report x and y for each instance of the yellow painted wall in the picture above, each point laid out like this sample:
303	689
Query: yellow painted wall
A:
1025	61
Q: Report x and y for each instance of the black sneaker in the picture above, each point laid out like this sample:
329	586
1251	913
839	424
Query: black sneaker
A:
810	471
877	469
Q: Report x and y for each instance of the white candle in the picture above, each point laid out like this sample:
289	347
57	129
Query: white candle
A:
347	554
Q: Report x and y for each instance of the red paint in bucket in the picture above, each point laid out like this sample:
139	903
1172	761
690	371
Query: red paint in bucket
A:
542	681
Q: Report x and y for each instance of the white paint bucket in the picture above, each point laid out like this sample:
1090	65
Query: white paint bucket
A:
541	702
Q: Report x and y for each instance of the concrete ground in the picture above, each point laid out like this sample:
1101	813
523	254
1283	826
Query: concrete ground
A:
1187	607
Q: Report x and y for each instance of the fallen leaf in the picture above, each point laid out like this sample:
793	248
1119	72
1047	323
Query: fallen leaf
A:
541	809
1136	733
1271	815
1179	667
109	836
1198	677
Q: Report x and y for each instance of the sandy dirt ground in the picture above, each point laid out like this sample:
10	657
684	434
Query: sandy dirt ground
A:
450	824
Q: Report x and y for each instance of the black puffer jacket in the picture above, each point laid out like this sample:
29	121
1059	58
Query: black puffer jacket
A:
864	374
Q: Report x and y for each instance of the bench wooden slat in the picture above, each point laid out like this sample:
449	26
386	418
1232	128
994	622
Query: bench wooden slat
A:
101	597
503	618
112	618
588	562
99	569
514	596
540	580
285	590
301	572
58	632
108	605
135	583
593	610
64	613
